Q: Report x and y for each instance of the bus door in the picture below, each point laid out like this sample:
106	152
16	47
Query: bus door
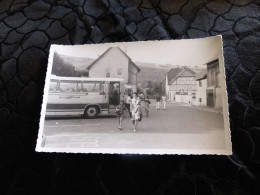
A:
114	93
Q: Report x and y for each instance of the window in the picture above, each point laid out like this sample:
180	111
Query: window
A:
119	72
92	86
213	76
200	83
213	79
208	78
70	86
53	86
108	71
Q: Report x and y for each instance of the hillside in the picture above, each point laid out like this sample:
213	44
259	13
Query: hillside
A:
150	73
157	72
78	63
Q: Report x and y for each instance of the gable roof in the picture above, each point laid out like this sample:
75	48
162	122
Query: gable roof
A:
174	73
214	60
107	51
202	75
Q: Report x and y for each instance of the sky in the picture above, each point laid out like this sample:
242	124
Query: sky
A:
186	52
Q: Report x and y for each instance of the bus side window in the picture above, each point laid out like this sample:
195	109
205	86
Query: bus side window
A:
68	86
78	87
91	86
105	88
84	87
53	86
102	88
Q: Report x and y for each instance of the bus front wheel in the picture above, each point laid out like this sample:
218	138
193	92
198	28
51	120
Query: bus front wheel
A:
91	112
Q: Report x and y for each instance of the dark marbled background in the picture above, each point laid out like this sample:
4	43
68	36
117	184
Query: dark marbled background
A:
28	28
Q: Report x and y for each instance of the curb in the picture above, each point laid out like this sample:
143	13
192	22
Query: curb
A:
219	112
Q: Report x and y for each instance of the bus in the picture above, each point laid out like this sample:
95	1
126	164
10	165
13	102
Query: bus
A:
89	97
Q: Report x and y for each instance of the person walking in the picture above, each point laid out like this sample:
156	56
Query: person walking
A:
147	103
120	109
136	110
158	100
128	103
164	102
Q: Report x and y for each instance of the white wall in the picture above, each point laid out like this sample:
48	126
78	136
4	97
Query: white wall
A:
201	93
183	98
133	74
218	103
168	94
112	60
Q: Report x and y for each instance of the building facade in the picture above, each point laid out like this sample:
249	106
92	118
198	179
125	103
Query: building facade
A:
115	63
201	84
180	84
213	92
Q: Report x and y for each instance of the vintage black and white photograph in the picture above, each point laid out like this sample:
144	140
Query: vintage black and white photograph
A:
150	97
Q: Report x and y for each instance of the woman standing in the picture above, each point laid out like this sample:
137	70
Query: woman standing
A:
128	103
164	102
136	110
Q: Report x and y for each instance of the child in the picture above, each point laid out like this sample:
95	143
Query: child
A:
147	106
120	109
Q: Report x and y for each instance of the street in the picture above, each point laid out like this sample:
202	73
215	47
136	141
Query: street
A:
179	127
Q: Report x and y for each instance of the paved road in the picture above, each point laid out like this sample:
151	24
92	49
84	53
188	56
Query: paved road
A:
178	127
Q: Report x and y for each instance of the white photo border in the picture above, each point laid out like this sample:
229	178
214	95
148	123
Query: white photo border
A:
228	144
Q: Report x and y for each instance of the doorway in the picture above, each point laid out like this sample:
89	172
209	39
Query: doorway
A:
210	98
114	93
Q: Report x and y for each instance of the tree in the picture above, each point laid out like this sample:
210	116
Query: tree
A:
158	88
60	68
150	84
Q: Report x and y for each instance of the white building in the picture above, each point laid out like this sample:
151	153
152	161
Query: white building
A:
201	94
115	63
180	84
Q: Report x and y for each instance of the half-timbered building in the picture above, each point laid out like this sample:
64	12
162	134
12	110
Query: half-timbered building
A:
180	84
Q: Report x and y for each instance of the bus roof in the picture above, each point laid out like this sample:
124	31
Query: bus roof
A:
84	78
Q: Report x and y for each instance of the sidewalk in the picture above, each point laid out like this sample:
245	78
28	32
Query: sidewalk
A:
178	103
209	109
205	108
